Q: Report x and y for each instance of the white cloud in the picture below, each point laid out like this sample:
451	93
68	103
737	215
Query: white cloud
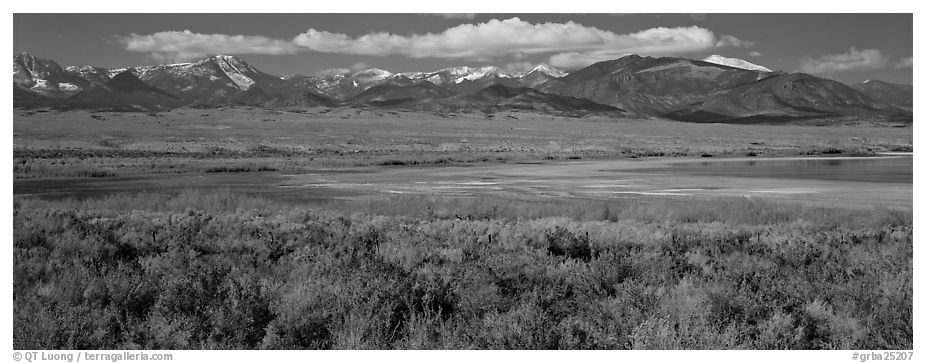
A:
173	46
572	60
755	53
456	15
905	62
731	41
370	44
332	72
359	66
854	60
654	42
573	44
514	37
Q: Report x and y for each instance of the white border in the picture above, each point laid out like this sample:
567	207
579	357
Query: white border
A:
483	6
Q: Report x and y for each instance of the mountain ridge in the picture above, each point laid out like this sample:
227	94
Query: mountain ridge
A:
667	87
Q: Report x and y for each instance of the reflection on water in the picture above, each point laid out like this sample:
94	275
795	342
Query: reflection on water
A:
892	170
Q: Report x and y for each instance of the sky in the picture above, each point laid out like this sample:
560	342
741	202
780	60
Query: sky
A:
849	48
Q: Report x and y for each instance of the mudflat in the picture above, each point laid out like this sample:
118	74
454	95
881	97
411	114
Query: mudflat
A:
803	180
325	153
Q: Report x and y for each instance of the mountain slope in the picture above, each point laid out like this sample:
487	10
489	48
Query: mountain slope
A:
303	99
94	75
650	86
497	98
472	79
45	77
783	97
539	75
25	98
127	82
675	88
388	95
124	92
689	90
895	94
209	81
524	98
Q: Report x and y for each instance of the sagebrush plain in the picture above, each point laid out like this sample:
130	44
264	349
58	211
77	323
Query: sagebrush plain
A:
255	266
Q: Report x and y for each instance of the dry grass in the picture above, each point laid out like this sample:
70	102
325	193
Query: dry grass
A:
130	143
222	271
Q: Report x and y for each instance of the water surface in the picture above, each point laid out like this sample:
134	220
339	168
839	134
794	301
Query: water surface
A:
852	182
885	169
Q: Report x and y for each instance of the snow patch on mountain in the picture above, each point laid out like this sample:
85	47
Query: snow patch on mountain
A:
412	75
68	87
458	75
41	85
373	74
735	63
236	70
550	71
113	72
480	73
240	80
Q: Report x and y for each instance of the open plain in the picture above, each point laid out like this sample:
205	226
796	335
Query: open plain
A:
353	229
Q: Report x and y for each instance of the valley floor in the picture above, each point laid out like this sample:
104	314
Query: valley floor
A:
358	229
86	144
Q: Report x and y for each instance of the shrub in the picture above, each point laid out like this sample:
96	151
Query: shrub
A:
219	270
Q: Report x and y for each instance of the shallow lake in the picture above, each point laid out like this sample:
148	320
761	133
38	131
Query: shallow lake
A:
850	182
891	170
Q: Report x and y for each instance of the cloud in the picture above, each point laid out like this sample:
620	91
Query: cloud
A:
455	15
514	37
359	66
332	72
570	43
755	53
731	41
654	41
854	60
174	46
905	62
572	60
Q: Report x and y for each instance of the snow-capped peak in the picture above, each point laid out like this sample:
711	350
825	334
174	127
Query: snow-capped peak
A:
735	63
456	71
546	69
481	72
460	74
239	71
81	69
412	75
373	74
110	73
35	66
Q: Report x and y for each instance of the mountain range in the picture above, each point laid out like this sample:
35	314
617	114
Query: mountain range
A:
716	89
